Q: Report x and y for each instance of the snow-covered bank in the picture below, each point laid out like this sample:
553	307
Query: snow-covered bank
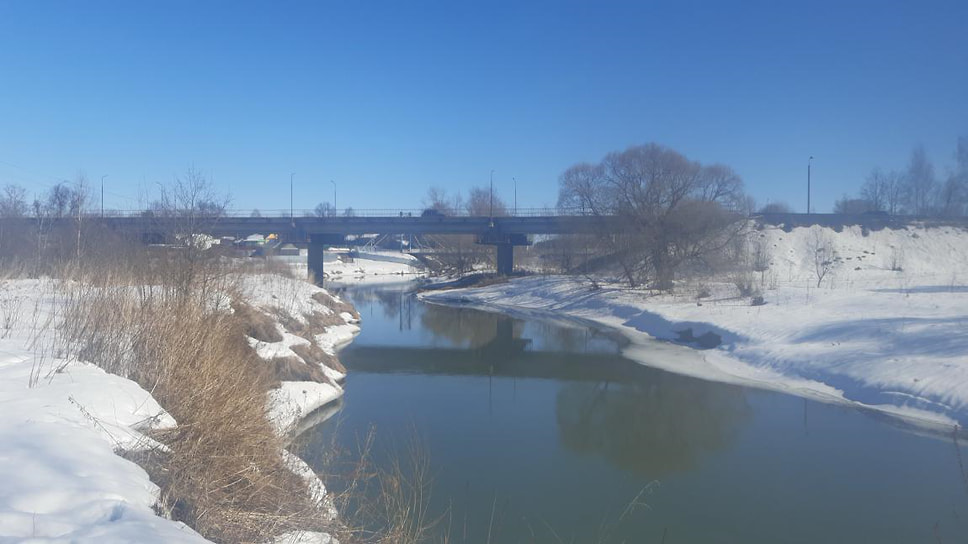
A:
63	422
60	425
887	329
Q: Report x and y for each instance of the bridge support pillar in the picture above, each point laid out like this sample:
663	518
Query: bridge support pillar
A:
314	261
505	259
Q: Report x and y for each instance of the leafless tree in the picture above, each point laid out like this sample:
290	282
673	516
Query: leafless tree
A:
874	189
823	254
192	199
951	197
719	183
13	202
186	209
953	193
919	182
438	201
455	253
323	209
672	210
485	203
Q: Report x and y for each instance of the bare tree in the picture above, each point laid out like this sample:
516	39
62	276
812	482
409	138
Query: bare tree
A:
671	210
720	183
13	202
323	209
438	201
485	203
951	197
919	182
953	193
192	199
874	189
823	254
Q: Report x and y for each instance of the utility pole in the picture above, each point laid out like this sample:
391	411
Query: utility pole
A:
808	183
515	180
334	196
102	195
291	220
490	211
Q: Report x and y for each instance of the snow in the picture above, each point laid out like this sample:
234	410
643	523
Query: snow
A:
61	479
363	270
294	400
885	331
63	422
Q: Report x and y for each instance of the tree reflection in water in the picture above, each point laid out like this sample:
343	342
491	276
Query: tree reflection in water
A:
655	427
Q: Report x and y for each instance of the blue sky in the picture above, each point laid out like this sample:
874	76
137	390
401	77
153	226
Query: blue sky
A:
390	98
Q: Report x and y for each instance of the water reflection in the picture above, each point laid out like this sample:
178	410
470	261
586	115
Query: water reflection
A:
654	426
468	328
639	419
533	425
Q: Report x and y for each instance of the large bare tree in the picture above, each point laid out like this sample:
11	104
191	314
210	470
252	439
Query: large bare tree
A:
671	210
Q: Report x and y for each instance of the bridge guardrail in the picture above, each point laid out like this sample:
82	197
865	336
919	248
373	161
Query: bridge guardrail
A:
349	212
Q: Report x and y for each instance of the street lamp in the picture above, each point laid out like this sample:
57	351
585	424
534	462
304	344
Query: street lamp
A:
334	196
515	180
491	205
808	183
290	196
102	195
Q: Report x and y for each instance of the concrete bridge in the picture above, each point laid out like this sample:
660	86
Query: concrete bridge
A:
319	232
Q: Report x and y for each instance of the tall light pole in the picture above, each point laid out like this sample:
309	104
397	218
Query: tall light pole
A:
334	196
515	180
808	183
490	211
290	196
102	195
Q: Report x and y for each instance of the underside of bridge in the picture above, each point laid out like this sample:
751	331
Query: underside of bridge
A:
503	244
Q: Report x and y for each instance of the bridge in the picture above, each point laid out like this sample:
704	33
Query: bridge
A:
502	232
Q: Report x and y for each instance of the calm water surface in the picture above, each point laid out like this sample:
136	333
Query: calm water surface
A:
541	432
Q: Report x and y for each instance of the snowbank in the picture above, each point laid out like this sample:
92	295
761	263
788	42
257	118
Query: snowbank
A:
885	330
62	423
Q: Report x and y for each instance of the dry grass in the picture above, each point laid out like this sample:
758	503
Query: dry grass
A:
223	473
258	325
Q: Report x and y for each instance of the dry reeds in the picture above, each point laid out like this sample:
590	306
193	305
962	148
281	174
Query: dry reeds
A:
223	472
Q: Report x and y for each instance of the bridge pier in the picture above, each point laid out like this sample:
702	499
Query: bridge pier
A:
314	255
314	261
505	259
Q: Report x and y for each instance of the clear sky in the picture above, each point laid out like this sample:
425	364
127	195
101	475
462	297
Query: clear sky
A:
389	98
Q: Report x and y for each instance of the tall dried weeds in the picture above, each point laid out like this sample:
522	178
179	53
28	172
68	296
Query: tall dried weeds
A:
223	472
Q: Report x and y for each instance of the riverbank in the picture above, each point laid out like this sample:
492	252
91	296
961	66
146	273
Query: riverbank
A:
68	427
884	331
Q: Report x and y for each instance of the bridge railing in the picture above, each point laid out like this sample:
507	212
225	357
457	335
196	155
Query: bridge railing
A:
354	212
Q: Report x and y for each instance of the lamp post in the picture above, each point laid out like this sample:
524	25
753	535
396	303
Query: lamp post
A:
490	211
290	196
334	196
515	180
808	183
102	195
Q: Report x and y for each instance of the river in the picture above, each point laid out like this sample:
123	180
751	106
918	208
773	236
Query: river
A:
542	432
